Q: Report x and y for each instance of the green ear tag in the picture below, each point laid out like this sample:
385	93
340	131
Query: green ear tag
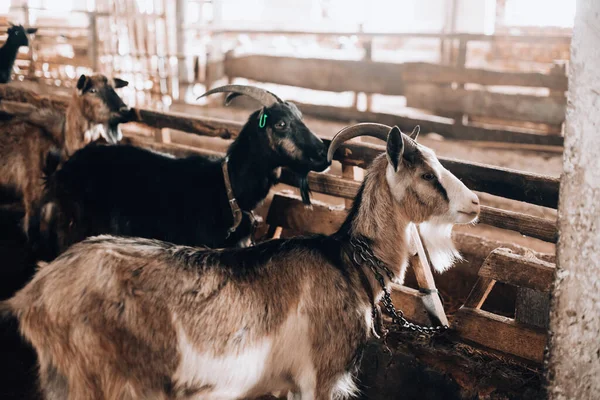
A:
263	121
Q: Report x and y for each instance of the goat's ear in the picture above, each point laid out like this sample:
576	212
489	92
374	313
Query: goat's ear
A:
120	83
395	147
32	30
81	82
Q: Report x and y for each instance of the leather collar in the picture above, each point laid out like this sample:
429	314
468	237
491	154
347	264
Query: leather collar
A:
236	212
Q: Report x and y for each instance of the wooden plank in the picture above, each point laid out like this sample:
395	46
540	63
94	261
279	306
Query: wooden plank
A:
500	333
512	184
410	302
537	227
446	129
421	72
373	77
479	292
551	39
532	307
528	225
319	74
504	266
200	126
422	269
289	212
548	109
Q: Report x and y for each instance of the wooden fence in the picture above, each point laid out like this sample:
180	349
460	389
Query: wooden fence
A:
452	91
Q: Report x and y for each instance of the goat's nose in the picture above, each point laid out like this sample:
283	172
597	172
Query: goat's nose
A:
124	109
476	202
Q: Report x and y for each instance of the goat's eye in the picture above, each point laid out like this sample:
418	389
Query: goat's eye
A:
428	177
280	125
93	90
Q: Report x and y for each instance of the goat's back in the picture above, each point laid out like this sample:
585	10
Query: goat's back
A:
125	190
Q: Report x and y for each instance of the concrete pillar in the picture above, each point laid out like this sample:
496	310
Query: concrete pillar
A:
574	350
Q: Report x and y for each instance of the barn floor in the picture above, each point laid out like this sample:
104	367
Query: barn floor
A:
412	368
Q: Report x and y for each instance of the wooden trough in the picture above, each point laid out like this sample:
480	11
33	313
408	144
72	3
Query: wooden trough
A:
523	337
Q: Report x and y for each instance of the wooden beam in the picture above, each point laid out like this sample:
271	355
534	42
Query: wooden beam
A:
197	125
410	302
500	333
436	125
319	74
421	72
520	107
479	292
290	213
532	307
373	77
550	39
422	269
528	225
504	266
512	184
540	228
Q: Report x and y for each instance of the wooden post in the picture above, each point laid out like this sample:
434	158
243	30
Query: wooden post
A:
182	78
93	40
431	298
348	172
574	348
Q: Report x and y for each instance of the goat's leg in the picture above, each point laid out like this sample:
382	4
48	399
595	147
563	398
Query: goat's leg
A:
53	384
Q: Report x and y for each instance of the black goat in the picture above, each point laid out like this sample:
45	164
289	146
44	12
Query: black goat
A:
130	191
17	37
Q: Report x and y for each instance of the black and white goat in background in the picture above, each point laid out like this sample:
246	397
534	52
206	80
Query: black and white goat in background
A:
126	190
130	318
17	37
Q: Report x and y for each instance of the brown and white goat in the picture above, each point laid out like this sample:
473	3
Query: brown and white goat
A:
127	318
94	111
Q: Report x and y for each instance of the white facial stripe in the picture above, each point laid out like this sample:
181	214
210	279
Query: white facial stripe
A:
460	198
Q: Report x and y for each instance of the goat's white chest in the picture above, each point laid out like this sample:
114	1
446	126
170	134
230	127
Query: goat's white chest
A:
226	376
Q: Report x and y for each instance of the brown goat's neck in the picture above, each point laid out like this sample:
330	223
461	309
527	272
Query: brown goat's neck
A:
378	217
75	126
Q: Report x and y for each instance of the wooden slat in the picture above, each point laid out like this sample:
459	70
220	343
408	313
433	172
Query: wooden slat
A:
372	77
536	227
289	212
504	266
422	269
446	129
549	39
512	184
532	307
548	109
528	225
500	333
421	72
410	301
479	292
319	74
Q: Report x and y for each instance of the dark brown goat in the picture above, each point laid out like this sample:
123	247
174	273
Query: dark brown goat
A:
94	111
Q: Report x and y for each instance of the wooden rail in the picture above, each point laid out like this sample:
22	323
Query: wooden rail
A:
523	186
539	228
449	130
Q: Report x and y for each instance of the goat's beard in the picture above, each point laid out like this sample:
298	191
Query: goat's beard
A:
437	240
304	189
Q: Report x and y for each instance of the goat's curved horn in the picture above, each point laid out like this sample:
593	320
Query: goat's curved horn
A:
379	131
415	133
265	97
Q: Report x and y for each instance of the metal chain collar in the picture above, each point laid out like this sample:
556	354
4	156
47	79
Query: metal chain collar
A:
364	254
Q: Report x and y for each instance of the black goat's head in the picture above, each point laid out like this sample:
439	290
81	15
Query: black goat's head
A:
290	142
17	35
